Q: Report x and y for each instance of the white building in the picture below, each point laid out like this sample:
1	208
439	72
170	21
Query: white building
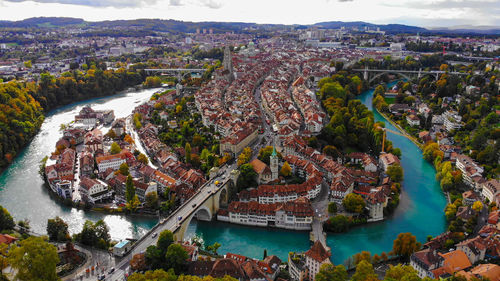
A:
490	190
110	161
93	190
315	258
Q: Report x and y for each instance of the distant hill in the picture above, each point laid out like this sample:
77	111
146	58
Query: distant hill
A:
175	26
390	28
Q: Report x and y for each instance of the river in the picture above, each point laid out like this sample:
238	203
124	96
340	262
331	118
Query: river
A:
420	210
21	188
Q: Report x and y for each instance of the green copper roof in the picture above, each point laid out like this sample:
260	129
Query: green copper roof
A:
274	152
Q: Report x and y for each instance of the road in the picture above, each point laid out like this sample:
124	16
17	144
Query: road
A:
172	222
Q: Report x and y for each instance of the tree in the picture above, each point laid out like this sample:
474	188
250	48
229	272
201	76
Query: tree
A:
152	200
94	234
354	203
332	208
6	220
405	245
477	206
124	169
152	82
265	154
157	275
115	148
134	204
247	176
128	139
339	223
286	170
165	239
143	159
187	150
401	272
129	189
138	262
176	258
34	259
395	173
4	261
331	151
329	272
57	229
364	272
244	156
363	256
154	257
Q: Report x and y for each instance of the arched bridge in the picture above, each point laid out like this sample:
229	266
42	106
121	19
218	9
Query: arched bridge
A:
203	205
371	74
180	73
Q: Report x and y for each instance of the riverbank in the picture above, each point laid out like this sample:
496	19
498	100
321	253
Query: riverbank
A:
410	137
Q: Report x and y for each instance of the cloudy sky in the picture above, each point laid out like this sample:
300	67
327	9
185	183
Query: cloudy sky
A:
427	13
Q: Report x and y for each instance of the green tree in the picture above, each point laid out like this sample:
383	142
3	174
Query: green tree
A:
154	257
94	234
247	176
34	259
28	64
165	239
129	189
6	220
395	173
124	169
57	229
115	148
339	223
364	272
354	203
329	272
405	245
187	150
332	208
176	258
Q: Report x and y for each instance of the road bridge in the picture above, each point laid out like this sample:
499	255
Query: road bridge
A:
407	74
203	205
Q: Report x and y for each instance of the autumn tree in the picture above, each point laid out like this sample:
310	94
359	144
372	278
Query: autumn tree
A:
477	206
329	272
363	256
401	273
128	139
405	245
364	272
244	156
143	158
34	259
354	203
286	170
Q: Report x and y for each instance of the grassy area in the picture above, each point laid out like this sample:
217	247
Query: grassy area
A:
390	100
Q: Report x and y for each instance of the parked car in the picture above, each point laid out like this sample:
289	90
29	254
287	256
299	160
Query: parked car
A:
154	235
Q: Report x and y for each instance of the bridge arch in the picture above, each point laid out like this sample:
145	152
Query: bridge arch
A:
388	72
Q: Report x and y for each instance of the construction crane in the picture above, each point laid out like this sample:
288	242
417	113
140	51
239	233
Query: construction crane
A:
383	136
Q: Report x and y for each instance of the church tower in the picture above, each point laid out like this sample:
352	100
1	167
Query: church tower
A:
274	164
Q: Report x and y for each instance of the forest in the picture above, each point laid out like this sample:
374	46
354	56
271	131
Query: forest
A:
23	104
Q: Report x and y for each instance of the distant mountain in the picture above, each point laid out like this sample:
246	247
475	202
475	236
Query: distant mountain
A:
175	26
390	28
467	29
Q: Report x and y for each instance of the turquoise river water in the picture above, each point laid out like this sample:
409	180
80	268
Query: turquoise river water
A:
419	212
